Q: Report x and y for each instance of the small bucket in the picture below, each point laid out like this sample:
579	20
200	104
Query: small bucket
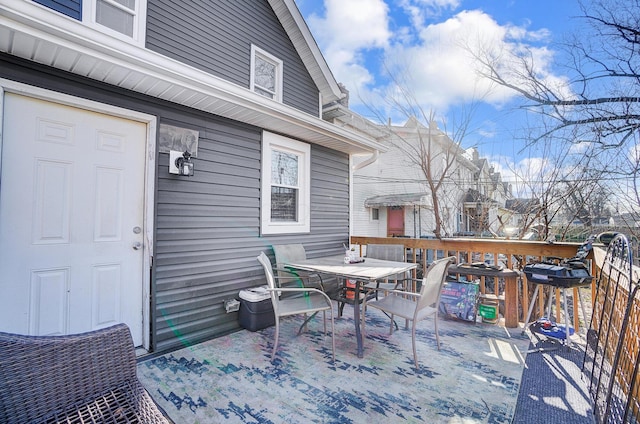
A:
488	310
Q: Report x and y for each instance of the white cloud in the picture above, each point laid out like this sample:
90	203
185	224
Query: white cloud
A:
443	70
348	30
352	24
361	37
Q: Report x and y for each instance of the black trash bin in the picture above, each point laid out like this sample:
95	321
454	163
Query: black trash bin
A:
256	309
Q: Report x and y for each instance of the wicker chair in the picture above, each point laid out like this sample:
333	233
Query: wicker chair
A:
80	378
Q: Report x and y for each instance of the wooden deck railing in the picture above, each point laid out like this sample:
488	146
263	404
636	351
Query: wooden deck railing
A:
513	254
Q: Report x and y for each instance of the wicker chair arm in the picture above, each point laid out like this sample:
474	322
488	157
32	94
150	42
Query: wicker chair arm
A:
48	378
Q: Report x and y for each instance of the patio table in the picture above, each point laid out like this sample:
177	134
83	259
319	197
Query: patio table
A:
369	271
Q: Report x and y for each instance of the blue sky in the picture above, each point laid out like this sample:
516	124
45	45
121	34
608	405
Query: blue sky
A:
420	40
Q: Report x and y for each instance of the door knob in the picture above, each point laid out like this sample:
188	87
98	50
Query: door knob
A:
137	245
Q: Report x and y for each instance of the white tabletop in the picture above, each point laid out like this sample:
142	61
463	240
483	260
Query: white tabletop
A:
371	269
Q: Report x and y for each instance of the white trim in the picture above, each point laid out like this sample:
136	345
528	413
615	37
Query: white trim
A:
8	86
302	39
89	19
267	57
351	200
271	141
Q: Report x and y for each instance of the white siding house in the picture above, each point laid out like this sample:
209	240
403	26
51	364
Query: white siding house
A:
392	198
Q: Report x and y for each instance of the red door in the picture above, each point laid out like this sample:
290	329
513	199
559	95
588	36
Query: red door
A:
395	221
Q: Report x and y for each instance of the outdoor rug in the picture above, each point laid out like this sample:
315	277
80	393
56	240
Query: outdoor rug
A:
474	378
557	392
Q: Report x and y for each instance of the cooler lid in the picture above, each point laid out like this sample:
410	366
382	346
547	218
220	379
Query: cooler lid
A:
255	294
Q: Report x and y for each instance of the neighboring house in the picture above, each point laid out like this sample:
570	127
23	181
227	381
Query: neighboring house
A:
485	201
391	197
94	229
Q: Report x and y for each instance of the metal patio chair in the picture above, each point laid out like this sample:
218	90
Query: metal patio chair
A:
287	253
312	302
416	306
388	252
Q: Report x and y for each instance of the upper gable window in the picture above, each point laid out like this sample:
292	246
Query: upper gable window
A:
266	74
286	191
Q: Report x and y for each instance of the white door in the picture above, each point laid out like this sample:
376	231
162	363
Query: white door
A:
71	219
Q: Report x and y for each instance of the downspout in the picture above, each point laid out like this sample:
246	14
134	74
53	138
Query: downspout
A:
354	168
371	159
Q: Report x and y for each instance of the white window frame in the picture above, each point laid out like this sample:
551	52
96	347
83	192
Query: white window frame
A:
271	142
258	52
89	10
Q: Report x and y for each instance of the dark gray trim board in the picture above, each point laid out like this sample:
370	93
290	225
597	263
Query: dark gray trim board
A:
71	8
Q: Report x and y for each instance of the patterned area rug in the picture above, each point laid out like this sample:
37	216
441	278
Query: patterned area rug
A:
474	378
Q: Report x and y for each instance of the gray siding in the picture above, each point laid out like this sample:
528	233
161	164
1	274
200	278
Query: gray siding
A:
207	226
216	36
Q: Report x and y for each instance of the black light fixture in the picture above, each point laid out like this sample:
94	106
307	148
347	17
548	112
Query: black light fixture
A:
180	163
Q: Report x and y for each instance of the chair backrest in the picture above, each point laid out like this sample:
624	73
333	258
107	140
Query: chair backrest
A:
41	374
433	281
286	253
388	252
271	281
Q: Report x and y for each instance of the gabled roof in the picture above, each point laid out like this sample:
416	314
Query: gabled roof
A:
414	126
523	206
302	39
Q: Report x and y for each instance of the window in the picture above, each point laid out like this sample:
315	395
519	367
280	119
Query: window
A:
286	167
117	15
266	74
375	214
123	18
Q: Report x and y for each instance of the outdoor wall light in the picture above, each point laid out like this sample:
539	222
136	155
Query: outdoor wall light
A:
180	163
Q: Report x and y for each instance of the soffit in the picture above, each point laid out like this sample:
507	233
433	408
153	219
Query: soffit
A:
65	44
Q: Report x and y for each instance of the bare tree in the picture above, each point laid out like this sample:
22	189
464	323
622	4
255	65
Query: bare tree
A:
599	102
595	107
600	99
435	150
